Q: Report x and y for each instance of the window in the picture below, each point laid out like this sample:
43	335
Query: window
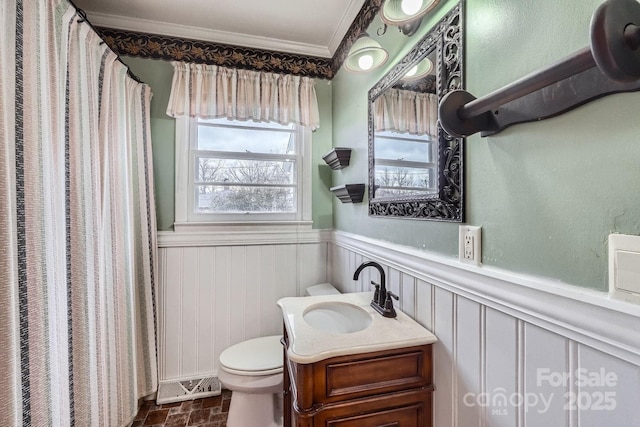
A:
241	171
405	165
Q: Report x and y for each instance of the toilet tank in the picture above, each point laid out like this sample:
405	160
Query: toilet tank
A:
321	289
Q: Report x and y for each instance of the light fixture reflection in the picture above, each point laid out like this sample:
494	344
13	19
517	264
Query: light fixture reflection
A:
405	14
366	54
412	71
418	71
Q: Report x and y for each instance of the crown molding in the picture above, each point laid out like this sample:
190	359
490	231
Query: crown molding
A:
172	42
344	25
205	34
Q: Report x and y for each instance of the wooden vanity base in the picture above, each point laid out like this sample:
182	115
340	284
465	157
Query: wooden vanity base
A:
390	388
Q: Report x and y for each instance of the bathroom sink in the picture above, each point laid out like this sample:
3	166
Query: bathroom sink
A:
324	326
337	317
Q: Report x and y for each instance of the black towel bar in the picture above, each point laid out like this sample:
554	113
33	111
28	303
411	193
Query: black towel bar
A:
615	39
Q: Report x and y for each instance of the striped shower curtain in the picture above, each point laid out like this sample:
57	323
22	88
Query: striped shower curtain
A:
77	225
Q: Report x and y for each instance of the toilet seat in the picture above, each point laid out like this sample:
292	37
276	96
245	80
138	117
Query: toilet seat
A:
255	357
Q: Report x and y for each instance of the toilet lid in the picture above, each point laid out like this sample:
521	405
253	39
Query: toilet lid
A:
263	355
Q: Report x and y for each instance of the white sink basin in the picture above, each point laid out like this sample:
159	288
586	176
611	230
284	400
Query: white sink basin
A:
324	326
337	317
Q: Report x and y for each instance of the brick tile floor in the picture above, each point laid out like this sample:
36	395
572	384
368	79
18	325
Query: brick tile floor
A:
208	412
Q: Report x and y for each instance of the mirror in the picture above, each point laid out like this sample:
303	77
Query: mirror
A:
415	167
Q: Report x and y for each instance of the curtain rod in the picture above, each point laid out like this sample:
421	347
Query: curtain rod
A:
83	18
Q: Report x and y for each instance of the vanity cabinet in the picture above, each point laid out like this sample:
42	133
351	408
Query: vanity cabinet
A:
389	388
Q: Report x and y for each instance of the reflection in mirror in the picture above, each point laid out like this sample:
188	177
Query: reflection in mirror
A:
415	168
405	134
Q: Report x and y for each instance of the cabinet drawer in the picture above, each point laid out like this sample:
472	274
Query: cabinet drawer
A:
376	375
362	375
406	409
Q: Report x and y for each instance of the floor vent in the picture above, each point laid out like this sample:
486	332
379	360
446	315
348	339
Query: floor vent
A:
188	389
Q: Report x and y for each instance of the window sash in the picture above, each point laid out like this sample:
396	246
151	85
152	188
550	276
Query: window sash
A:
399	167
282	200
242	184
300	213
288	165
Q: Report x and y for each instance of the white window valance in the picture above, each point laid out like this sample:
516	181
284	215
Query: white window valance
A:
406	111
209	91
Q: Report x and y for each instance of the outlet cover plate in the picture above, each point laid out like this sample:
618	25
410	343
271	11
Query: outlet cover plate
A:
624	267
470	244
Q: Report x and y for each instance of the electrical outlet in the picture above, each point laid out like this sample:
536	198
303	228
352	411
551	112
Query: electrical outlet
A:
468	247
470	244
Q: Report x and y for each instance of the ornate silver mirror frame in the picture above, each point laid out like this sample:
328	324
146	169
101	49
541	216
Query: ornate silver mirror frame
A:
446	203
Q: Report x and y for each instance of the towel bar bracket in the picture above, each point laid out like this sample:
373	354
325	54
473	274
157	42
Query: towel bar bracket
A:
610	65
615	38
449	115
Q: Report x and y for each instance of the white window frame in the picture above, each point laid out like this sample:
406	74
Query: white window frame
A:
186	219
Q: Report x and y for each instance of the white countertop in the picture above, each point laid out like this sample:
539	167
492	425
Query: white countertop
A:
309	345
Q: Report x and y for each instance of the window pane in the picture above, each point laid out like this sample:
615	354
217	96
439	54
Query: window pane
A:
416	179
394	146
238	199
234	171
249	140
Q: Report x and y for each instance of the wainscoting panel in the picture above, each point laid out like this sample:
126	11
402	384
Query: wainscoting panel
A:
212	296
621	394
501	370
470	373
511	351
425	301
444	358
545	352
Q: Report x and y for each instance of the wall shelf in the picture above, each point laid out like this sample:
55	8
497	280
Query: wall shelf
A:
349	193
338	158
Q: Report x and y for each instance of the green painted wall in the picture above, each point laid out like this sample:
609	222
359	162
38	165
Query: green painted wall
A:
547	194
158	75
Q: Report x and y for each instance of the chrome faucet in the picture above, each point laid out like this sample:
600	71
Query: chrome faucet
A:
381	301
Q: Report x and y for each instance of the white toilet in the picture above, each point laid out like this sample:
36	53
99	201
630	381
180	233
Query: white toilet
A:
252	370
